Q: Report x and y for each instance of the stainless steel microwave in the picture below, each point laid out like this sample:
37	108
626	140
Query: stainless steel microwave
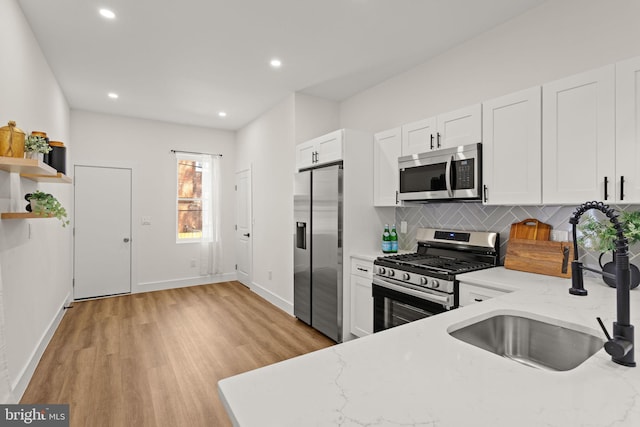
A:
445	174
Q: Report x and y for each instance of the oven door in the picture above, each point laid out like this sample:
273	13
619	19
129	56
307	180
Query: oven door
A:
394	305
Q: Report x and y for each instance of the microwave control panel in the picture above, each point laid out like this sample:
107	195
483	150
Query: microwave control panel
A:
464	174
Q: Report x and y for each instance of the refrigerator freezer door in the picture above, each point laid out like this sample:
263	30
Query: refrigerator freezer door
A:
326	254
302	247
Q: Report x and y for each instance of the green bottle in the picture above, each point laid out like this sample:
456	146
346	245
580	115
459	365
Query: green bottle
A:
393	237
386	240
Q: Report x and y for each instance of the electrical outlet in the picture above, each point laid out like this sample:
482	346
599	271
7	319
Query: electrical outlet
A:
270	275
403	227
145	220
193	262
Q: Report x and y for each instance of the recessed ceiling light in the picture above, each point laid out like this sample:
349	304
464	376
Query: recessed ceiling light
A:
222	114
276	63
113	95
107	13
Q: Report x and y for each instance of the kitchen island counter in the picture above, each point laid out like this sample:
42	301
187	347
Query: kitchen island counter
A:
419	375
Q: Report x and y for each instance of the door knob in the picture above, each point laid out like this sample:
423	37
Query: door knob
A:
246	235
126	240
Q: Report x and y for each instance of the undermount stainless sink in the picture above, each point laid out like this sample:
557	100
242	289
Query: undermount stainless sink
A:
531	342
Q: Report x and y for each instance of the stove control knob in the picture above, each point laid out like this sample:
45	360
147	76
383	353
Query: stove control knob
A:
435	284
405	276
423	281
381	270
391	273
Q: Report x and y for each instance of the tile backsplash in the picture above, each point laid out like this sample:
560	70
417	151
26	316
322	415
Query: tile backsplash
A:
478	217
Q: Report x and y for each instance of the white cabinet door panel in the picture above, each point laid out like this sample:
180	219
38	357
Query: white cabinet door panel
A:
329	147
628	131
418	137
460	127
578	138
386	150
512	148
305	155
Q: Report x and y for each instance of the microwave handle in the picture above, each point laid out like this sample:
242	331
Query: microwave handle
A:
447	173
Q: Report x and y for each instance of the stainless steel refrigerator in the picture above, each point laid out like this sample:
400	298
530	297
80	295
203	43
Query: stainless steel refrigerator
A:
317	290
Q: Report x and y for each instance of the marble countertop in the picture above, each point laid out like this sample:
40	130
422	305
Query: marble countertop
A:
419	375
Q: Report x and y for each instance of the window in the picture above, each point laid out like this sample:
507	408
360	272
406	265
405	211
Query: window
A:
193	197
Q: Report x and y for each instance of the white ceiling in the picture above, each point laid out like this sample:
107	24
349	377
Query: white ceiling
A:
185	60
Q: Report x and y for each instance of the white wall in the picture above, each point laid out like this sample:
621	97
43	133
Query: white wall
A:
554	40
35	255
267	146
144	145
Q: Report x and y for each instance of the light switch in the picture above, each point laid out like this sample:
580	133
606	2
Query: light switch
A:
403	227
146	220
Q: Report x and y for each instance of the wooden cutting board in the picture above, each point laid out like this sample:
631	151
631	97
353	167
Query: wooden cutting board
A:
530	229
538	256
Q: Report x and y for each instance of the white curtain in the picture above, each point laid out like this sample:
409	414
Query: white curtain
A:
5	387
211	247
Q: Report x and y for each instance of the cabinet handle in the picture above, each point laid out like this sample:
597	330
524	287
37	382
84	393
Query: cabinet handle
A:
622	187
485	193
438	139
432	141
397	197
606	188
478	300
362	269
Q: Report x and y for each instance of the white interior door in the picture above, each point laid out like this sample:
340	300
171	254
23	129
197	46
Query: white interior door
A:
243	227
102	231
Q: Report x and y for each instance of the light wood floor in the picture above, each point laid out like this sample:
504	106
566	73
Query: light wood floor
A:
154	359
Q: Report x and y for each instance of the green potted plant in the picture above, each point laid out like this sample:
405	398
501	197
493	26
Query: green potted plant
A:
599	235
44	204
35	147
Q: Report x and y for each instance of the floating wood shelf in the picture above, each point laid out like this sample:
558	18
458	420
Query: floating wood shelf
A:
21	215
28	166
35	170
59	177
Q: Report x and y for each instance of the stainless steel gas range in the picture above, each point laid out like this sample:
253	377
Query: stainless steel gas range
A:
413	286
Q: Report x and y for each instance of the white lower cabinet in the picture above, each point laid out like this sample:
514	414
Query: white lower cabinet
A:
361	298
472	294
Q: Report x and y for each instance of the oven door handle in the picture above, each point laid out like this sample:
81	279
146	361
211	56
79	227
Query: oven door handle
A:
447	173
444	301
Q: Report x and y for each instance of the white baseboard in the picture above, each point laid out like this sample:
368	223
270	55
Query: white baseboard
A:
274	299
183	283
19	386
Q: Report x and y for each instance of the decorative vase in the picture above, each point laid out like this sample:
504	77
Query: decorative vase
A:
34	155
610	268
11	141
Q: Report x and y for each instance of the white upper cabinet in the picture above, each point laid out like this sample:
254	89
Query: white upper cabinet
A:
386	150
418	137
578	138
627	179
318	151
460	127
512	149
305	154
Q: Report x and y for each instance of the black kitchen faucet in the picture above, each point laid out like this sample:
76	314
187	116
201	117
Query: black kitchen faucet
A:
620	347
